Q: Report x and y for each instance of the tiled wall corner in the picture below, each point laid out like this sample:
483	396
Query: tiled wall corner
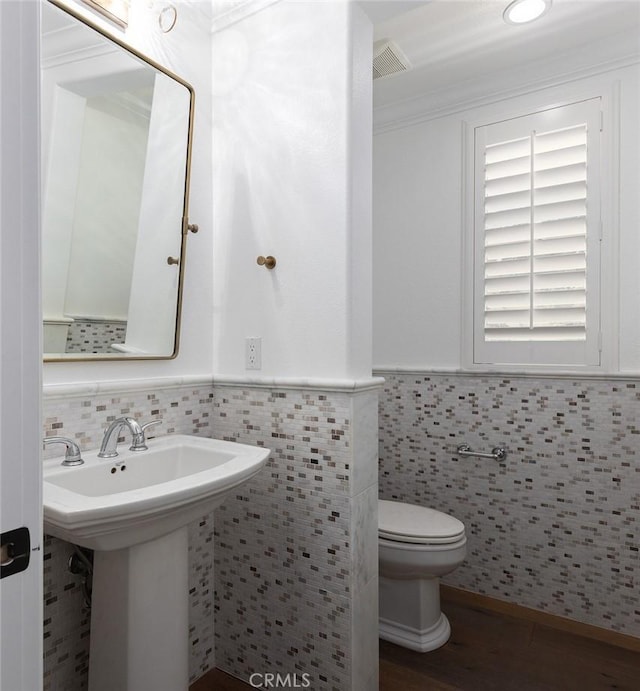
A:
556	527
185	410
66	621
296	552
294	567
364	631
364	543
201	641
364	604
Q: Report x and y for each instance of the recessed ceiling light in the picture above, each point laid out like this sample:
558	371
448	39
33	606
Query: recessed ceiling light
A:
523	11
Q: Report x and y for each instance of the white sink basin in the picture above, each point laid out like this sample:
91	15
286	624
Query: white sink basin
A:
109	504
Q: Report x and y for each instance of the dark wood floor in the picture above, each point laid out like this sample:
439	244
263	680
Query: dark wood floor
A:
216	680
493	652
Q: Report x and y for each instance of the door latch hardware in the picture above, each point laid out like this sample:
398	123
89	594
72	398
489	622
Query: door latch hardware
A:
15	551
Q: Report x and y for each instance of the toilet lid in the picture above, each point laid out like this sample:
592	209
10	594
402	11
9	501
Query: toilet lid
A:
402	522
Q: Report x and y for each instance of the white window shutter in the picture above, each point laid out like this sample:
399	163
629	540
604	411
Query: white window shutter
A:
537	238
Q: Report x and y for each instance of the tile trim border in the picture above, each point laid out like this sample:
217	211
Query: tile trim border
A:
300	383
54	391
387	370
58	391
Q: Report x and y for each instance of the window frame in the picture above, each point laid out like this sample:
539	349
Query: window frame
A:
532	104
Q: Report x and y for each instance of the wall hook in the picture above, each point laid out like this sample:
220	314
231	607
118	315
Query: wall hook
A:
269	261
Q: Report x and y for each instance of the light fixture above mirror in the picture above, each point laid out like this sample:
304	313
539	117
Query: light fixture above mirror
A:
116	11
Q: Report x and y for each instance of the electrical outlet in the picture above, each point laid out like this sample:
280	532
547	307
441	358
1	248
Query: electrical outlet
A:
253	353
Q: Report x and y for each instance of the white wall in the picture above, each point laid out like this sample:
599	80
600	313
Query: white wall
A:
292	148
61	161
65	92
186	51
417	245
291	124
107	206
418	227
629	250
154	288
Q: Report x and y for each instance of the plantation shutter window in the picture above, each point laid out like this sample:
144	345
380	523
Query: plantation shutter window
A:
537	237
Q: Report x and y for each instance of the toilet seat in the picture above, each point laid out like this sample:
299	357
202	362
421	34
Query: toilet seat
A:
418	525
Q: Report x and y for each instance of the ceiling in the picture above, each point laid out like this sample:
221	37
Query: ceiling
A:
452	42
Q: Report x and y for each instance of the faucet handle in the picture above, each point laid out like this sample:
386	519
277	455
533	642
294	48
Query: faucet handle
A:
72	455
139	442
150	424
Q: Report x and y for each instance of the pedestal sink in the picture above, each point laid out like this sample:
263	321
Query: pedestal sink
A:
133	510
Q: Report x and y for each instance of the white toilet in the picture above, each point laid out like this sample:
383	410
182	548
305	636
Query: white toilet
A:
417	545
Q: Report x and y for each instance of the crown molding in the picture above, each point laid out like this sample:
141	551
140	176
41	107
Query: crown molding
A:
73	43
240	11
476	93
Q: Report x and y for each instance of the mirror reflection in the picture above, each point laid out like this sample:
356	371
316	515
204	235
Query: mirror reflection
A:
115	143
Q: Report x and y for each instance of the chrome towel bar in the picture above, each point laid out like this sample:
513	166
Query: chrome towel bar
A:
499	453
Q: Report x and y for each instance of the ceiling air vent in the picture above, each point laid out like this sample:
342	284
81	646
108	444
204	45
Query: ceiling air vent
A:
388	59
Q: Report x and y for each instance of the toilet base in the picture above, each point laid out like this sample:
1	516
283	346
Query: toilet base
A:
421	641
410	613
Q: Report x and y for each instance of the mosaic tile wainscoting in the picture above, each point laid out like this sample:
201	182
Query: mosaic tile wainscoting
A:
556	526
296	552
95	335
183	409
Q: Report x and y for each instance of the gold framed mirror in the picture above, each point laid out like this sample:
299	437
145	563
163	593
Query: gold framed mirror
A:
116	155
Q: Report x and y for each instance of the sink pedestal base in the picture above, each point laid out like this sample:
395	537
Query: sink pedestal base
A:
140	617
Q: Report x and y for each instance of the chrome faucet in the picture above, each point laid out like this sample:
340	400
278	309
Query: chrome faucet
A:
110	439
72	455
